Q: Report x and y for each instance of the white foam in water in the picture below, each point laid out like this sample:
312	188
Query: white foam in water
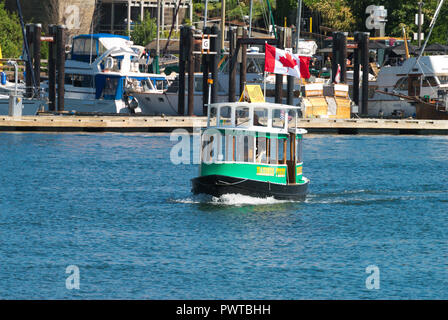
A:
231	200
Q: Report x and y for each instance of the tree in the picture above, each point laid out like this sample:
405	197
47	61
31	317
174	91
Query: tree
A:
144	31
336	14
10	33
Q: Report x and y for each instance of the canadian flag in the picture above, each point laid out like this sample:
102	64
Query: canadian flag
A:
282	62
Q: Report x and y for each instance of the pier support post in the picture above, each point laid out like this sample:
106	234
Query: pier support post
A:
356	64
205	75
60	62
214	59
190	57
243	64
36	52
279	77
182	61
365	73
342	61
334	60
28	73
52	69
232	62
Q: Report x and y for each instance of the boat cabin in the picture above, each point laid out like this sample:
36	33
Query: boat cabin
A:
257	141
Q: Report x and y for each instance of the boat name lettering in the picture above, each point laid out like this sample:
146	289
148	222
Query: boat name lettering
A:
271	172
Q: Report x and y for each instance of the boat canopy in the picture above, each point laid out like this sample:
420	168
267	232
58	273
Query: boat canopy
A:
259	119
87	47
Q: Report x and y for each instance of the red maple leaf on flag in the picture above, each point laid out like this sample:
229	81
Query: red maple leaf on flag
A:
288	61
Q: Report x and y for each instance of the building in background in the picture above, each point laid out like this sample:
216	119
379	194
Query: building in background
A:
118	16
107	16
77	15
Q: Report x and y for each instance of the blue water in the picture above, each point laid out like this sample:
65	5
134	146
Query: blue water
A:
116	207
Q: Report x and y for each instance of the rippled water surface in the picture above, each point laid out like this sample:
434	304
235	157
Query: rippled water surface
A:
116	207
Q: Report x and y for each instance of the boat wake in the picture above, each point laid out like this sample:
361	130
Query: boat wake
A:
231	200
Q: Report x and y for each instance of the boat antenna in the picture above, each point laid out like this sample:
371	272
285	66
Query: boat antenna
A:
25	44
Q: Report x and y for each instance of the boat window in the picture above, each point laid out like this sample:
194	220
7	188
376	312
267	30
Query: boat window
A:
101	49
198	84
90	47
82	81
299	147
402	84
78	46
225	116
242	117
245	147
230	148
212	116
110	86
273	158
261	117
282	150
211	145
147	85
443	79
278	118
429	82
68	79
161	84
261	152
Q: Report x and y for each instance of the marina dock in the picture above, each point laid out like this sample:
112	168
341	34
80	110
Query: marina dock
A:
72	123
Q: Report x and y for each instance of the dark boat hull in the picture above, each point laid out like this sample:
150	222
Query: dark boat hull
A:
217	185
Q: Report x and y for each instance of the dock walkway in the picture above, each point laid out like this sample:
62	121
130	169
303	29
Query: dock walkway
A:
71	123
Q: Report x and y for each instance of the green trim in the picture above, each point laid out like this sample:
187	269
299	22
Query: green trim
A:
253	171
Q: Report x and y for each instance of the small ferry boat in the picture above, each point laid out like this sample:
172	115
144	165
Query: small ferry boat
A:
252	149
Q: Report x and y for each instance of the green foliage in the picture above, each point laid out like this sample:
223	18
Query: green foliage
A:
10	33
144	31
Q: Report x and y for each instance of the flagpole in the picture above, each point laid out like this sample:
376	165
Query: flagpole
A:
299	19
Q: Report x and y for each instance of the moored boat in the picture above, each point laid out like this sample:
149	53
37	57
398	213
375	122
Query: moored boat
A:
252	149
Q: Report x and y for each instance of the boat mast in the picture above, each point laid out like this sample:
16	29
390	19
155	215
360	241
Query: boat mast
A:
298	20
156	58
250	17
205	13
431	27
223	22
25	45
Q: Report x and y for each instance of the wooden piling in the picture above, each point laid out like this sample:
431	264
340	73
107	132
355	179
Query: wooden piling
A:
215	47
365	73
52	69
335	58
190	66
342	59
182	61
205	75
28	64
37	55
232	62
279	77
356	55
60	65
243	64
